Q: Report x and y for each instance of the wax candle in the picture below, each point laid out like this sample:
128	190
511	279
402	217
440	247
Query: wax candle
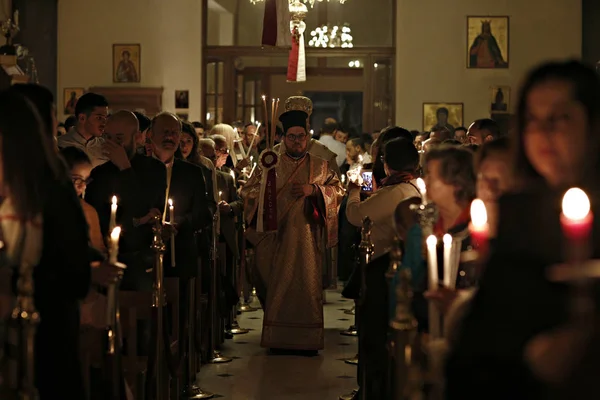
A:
343	179
113	214
115	234
232	175
576	218
244	172
434	316
220	194
253	138
479	227
252	172
251	159
360	159
423	189
447	239
172	222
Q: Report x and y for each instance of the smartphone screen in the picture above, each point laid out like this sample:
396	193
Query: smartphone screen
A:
367	177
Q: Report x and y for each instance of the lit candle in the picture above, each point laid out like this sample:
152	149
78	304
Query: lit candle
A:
434	316
272	130
576	218
233	175
114	245
251	159
423	189
172	222
113	214
343	179
360	159
244	172
479	227
220	194
447	259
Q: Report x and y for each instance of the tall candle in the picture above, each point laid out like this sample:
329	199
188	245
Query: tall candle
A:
447	259
272	130
220	194
113	214
113	254
251	172
423	189
265	111
434	316
254	137
576	218
172	222
115	234
479	227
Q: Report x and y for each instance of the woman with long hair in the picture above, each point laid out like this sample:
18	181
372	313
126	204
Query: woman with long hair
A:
555	145
43	225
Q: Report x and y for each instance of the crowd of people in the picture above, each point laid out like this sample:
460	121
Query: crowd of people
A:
290	200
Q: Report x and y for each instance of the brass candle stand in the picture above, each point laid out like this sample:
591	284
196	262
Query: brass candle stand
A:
216	356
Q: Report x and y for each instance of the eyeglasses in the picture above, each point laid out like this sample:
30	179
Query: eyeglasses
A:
223	150
81	181
296	138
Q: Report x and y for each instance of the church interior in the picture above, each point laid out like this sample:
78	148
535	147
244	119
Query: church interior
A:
240	71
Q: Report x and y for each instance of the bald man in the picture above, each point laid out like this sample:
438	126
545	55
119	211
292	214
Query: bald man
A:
139	182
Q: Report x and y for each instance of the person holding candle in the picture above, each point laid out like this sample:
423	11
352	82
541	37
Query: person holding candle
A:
556	143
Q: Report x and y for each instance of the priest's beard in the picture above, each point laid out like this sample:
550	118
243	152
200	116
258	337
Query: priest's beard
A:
296	153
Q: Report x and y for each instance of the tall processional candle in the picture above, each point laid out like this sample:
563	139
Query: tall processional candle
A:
576	221
266	112
432	272
172	222
479	228
447	239
423	189
113	255
113	214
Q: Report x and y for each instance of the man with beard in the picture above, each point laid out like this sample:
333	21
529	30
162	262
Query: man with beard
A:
139	183
289	260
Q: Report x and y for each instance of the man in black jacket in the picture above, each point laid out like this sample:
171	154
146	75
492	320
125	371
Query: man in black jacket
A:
139	183
187	189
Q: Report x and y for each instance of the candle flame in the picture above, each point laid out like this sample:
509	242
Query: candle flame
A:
264	97
170	202
343	178
576	204
432	241
116	233
478	213
251	158
114	200
220	193
360	158
421	185
447	239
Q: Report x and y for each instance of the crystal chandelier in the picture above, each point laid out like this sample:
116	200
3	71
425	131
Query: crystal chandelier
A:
312	2
331	36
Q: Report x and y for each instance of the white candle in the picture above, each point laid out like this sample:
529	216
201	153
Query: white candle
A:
447	259
360	159
251	172
343	179
233	175
423	189
434	316
251	159
114	244
244	172
113	214
254	137
220	194
172	222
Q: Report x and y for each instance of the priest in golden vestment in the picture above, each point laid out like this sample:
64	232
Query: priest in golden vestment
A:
289	261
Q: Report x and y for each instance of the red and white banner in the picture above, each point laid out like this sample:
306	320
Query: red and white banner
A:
276	23
297	60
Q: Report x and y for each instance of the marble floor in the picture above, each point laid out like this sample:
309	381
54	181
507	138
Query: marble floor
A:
255	375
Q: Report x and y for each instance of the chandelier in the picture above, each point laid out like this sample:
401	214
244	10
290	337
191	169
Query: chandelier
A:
331	36
312	2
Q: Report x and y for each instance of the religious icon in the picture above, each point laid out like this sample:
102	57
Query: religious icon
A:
437	115
70	96
183	116
182	99
487	42
500	99
126	63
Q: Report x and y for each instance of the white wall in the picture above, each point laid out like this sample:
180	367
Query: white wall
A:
431	42
170	34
